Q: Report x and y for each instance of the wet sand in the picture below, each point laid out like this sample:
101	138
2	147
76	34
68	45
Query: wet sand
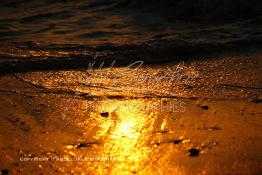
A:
207	121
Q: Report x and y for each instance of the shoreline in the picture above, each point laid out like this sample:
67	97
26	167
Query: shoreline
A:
38	58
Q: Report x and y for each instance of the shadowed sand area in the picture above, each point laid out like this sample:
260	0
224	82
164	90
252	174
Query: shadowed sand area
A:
204	119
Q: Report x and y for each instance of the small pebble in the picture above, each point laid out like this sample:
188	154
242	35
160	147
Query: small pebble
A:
257	100
4	172
177	141
214	128
82	145
193	152
104	114
204	107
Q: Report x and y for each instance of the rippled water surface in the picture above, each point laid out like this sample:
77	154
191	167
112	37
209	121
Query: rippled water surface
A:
155	31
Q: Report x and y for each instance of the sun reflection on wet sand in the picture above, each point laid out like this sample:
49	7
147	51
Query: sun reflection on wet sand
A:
128	136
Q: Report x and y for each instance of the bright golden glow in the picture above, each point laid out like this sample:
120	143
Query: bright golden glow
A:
128	129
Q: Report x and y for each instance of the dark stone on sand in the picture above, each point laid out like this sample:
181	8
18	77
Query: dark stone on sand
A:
204	107
257	100
193	152
4	171
214	128
37	110
22	123
84	145
104	114
177	141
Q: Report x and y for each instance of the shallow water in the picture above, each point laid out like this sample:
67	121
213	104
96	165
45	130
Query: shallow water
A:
155	31
225	78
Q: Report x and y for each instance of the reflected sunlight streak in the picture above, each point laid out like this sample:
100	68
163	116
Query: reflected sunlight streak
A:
127	136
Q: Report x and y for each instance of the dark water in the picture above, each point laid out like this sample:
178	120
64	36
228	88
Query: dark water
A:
34	34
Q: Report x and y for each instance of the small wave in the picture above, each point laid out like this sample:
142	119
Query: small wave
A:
38	35
57	57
